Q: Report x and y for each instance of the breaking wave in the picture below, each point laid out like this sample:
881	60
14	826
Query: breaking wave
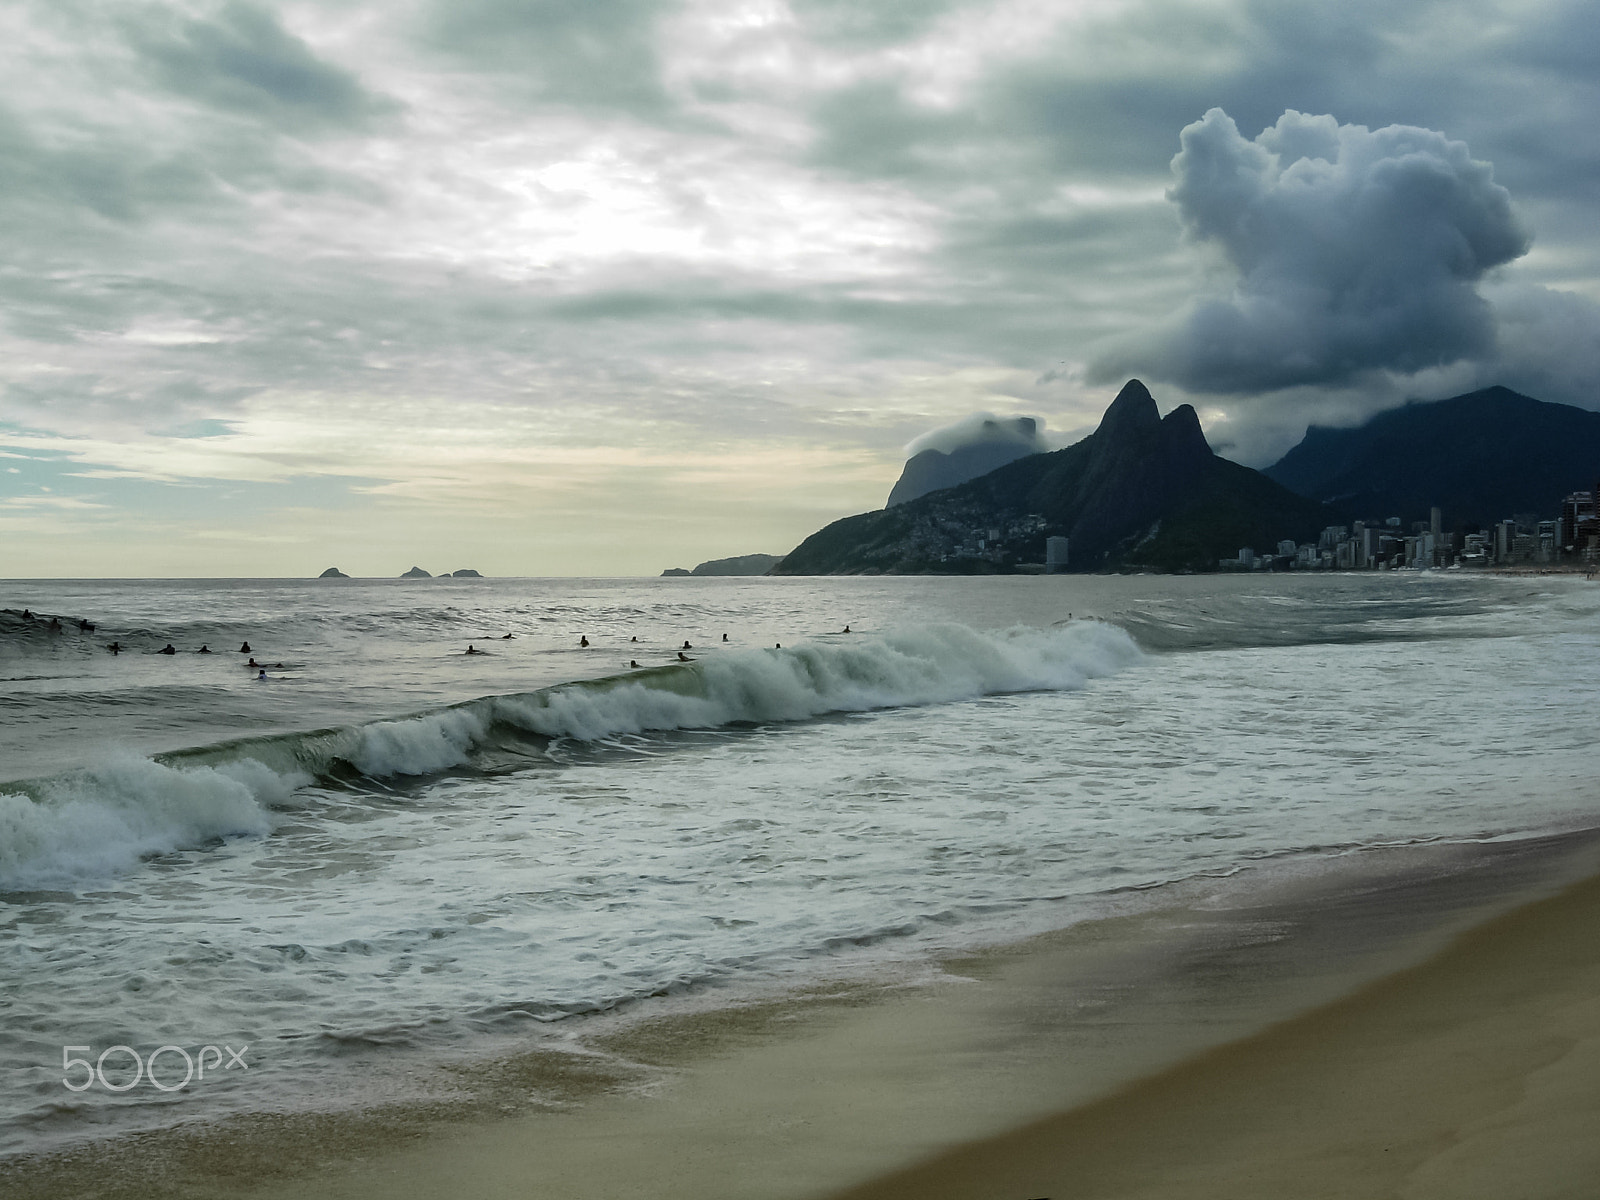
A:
96	822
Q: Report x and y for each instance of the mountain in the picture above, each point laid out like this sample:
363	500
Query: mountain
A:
1141	491
933	470
1480	457
742	564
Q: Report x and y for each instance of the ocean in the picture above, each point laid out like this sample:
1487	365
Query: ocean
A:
223	894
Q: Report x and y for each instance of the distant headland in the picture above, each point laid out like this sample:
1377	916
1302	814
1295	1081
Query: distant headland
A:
743	564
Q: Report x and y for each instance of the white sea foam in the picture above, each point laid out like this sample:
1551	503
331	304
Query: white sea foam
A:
96	822
475	901
420	745
933	665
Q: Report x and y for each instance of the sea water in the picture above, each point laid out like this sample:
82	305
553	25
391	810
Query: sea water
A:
390	848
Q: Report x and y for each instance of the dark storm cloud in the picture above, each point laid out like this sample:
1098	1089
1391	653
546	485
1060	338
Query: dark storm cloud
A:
1355	250
242	59
580	52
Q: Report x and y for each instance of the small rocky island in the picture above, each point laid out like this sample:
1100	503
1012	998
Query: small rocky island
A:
417	573
333	573
466	574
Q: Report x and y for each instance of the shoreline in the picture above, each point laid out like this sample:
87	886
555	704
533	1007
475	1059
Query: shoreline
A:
863	1089
1470	1074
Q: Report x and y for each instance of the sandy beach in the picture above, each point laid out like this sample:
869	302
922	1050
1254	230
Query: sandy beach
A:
1474	1074
1419	1023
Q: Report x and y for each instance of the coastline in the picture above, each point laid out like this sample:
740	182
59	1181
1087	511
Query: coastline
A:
1470	1074
1004	1065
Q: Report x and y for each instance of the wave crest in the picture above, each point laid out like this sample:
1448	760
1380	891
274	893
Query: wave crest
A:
101	821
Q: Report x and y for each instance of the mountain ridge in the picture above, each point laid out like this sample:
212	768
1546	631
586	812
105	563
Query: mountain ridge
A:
1481	456
1141	491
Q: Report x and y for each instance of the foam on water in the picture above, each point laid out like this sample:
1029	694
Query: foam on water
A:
87	824
93	823
410	850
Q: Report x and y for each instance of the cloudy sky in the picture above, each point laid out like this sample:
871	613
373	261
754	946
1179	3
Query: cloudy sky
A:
605	286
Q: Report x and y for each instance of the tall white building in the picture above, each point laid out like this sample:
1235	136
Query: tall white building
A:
1055	555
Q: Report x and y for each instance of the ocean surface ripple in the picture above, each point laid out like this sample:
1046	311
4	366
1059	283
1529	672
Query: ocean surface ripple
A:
389	847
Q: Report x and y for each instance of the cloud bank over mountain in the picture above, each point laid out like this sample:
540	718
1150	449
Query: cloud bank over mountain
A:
983	429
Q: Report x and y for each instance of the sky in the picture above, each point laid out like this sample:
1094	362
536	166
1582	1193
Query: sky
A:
600	287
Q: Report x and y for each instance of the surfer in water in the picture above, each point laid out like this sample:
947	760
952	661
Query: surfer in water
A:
682	657
584	641
204	649
686	645
724	637
471	649
115	647
634	663
169	648
261	676
245	649
847	629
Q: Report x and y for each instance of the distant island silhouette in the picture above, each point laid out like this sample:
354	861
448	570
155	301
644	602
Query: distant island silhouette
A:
743	564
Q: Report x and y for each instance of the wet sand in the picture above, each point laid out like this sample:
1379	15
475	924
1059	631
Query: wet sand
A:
1420	1022
1475	1074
